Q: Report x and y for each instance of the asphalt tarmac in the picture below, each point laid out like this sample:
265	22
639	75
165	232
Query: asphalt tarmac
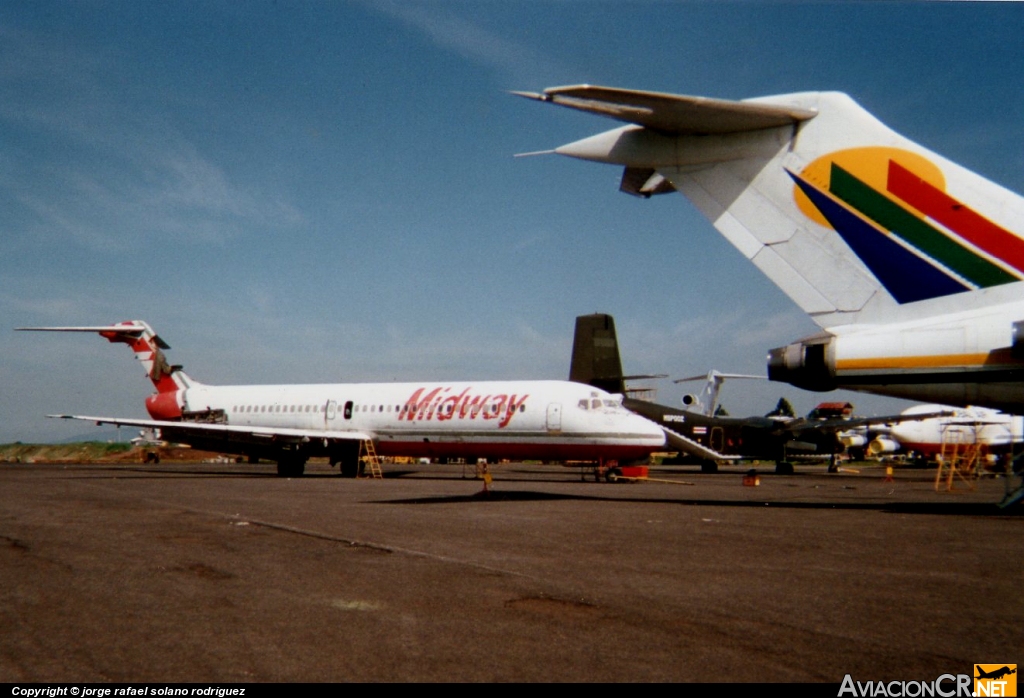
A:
226	573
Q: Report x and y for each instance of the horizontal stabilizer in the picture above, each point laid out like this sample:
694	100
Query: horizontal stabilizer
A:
668	113
132	329
715	374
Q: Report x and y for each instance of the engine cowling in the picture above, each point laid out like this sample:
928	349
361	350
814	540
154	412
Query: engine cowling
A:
881	444
853	440
690	400
809	364
165	406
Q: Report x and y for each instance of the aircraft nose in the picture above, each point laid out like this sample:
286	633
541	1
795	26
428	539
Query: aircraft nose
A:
647	428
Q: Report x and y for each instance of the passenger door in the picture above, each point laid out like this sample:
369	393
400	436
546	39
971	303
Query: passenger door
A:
554	419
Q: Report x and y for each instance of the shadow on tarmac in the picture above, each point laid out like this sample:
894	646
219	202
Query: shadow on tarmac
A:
945	508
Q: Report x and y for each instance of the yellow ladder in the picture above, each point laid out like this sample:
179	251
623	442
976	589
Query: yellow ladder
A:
368	456
959	459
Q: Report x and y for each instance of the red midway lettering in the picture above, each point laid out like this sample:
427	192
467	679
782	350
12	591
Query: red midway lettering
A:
422	406
512	407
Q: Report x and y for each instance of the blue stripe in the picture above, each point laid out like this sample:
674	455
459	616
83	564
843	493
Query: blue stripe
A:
907	277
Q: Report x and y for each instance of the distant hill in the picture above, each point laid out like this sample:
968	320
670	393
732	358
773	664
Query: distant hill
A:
101	452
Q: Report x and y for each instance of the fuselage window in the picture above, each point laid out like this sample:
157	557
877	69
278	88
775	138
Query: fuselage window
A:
522	408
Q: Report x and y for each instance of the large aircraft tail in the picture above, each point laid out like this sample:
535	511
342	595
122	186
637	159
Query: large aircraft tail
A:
595	354
168	380
856	223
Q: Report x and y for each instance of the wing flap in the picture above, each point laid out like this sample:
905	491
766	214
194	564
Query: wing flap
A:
669	113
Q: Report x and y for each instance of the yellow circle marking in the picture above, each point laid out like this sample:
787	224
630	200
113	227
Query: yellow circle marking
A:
869	165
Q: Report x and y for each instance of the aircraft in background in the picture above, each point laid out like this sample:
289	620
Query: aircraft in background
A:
997	432
545	420
909	263
596	361
706	402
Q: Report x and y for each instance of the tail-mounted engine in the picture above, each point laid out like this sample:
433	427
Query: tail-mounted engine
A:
166	406
809	364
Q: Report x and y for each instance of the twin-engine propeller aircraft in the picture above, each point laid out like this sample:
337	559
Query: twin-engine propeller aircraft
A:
909	263
706	438
547	420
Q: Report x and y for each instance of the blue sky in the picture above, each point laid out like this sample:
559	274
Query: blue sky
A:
325	191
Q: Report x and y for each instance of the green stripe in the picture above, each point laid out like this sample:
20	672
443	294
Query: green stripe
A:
915	231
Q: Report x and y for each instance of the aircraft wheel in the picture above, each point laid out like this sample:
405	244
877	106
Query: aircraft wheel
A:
349	467
291	466
613	475
783	467
709	466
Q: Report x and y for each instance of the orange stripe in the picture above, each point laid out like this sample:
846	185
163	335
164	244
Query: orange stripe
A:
999	357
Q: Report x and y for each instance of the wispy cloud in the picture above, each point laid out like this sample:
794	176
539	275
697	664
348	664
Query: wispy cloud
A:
519	64
104	173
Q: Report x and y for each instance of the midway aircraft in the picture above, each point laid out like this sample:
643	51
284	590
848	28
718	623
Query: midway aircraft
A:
909	263
548	420
596	361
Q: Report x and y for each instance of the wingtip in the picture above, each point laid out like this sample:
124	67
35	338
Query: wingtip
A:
536	96
535	152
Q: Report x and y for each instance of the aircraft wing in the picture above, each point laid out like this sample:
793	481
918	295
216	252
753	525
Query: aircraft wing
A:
798	425
205	431
669	113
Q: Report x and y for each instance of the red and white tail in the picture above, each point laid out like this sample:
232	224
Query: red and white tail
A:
168	380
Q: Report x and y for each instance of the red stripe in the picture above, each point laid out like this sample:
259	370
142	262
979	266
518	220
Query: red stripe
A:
515	451
971	226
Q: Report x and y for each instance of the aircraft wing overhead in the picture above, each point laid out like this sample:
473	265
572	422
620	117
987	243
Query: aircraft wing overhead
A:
669	113
213	430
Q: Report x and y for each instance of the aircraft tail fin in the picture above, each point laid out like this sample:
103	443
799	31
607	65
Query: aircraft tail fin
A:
854	222
144	342
595	354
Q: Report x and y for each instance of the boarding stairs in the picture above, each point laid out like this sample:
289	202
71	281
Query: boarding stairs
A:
369	460
688	445
959	457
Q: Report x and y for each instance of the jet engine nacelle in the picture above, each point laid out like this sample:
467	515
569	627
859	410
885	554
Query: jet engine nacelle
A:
690	401
166	406
853	440
809	364
1017	343
881	444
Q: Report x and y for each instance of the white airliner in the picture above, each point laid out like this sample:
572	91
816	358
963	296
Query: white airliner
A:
997	431
548	420
909	263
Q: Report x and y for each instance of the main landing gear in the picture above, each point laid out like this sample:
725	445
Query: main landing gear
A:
291	465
